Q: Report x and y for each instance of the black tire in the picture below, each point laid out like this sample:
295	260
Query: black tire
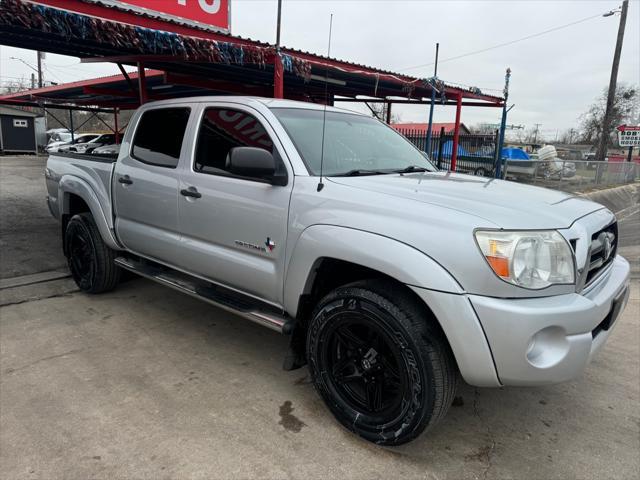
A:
480	172
390	395
91	262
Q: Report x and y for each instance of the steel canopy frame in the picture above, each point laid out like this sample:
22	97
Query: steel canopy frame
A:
294	74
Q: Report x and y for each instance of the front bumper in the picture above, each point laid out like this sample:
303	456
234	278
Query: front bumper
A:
538	341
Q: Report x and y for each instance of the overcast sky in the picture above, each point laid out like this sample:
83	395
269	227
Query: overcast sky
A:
555	76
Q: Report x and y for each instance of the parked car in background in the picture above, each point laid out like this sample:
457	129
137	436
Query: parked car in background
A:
56	139
64	141
89	145
52	131
479	163
107	150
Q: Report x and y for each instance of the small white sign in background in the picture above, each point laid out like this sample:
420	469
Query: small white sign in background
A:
629	135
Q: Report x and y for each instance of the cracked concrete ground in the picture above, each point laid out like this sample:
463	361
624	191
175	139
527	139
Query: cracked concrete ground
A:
145	382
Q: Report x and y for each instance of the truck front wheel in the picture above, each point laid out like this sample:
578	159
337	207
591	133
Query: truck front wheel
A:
379	363
91	262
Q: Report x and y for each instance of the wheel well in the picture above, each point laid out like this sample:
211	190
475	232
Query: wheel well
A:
76	205
327	275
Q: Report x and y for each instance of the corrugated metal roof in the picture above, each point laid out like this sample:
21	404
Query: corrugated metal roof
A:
363	79
90	82
16	112
287	50
422	127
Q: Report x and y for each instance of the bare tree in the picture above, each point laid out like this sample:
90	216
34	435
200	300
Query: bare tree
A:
624	105
14	86
379	110
482	129
570	136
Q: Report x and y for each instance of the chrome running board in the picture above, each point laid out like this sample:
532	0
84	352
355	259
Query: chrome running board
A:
224	298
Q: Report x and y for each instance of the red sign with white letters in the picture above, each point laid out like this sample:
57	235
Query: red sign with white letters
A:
208	12
628	135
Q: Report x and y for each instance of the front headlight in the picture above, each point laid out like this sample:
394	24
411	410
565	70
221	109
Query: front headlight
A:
529	259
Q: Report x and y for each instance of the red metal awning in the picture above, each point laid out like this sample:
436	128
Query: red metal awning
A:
103	34
188	60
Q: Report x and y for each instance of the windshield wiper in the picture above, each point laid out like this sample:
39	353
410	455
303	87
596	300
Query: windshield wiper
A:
411	169
360	172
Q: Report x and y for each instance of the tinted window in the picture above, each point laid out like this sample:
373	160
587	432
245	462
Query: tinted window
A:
159	136
223	129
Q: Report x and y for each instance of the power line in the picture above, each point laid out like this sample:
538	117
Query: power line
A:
53	74
511	42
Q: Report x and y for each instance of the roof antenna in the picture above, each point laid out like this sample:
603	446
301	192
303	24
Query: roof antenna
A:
326	100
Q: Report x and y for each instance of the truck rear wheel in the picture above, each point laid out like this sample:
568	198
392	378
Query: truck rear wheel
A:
91	262
382	368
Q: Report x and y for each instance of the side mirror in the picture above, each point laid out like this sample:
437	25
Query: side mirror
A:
252	162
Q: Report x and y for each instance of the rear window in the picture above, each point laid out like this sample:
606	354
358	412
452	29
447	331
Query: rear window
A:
159	136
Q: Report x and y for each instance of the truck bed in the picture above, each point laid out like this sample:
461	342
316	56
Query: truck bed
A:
91	171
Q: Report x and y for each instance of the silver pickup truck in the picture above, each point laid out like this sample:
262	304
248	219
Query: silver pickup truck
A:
392	278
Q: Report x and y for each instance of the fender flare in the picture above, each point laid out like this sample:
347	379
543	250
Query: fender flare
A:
398	260
70	184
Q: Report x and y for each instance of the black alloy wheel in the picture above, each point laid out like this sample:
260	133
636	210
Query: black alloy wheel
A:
364	368
380	364
81	258
90	260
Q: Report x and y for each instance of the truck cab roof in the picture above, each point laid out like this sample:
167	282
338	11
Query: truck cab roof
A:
250	101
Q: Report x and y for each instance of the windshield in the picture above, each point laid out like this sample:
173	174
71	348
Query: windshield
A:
353	144
60	137
87	137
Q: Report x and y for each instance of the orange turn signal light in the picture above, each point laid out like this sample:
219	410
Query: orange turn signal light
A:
500	265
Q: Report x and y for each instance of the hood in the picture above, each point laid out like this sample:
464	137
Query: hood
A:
505	204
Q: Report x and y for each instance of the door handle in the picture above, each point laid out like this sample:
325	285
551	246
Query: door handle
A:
190	192
125	180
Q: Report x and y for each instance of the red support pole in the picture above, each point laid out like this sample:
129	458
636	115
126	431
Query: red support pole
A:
456	134
115	125
278	77
142	83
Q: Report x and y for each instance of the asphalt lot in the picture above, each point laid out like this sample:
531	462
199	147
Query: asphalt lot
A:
145	382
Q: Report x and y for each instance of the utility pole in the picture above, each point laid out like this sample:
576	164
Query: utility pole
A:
40	54
503	124
606	122
535	133
278	24
278	67
33	81
433	101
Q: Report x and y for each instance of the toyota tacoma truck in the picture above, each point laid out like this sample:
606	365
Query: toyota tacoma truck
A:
392	279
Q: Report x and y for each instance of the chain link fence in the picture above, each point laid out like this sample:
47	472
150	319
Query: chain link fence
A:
477	156
570	175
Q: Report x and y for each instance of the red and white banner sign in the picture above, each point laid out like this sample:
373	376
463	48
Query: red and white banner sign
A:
212	14
209	12
628	135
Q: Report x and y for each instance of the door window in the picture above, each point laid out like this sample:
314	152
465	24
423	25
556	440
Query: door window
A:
159	136
223	129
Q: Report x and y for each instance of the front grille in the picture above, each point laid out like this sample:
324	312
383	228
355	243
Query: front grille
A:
602	251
